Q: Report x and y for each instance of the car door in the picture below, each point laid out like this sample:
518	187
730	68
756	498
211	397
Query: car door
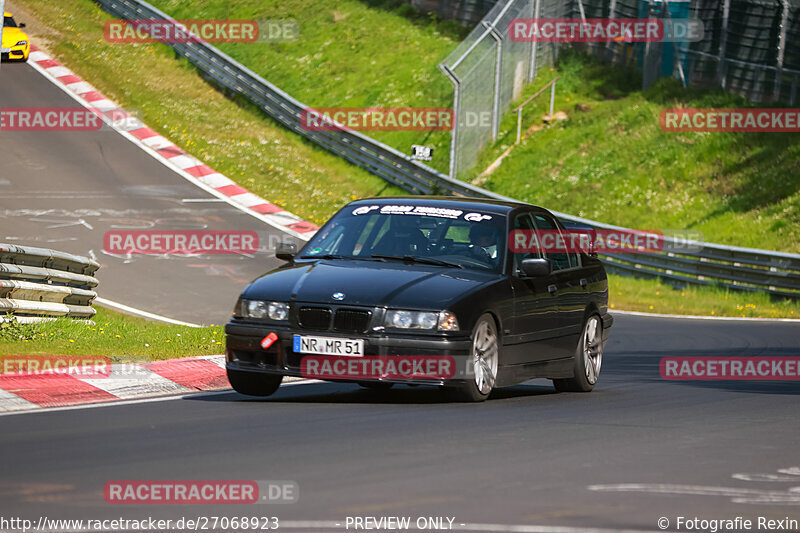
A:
536	314
571	291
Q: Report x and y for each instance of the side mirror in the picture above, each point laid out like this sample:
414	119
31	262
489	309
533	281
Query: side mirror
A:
536	268
21	24
286	251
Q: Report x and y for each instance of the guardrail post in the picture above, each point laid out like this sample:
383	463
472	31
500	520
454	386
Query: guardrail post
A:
552	98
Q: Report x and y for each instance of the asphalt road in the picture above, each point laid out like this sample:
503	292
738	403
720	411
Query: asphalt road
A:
636	449
64	190
526	456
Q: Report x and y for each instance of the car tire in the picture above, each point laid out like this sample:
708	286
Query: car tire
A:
376	385
485	359
588	359
254	383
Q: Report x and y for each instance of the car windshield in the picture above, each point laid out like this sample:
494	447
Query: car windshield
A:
8	22
431	235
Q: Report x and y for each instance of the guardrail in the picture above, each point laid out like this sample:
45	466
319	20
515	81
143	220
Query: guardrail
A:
729	266
37	283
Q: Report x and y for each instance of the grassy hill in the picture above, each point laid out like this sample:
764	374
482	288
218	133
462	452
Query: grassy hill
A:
608	161
611	161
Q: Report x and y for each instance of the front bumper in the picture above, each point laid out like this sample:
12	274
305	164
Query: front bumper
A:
244	352
15	52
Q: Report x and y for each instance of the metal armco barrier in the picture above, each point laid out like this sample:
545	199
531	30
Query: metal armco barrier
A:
703	263
38	283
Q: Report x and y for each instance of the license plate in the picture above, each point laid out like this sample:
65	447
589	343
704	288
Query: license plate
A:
328	345
5	50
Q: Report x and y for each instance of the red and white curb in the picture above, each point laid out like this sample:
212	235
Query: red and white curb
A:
166	152
25	392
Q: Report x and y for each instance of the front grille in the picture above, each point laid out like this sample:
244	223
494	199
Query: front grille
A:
351	321
314	318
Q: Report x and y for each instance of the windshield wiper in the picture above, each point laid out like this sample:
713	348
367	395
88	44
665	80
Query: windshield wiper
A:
325	256
417	259
337	256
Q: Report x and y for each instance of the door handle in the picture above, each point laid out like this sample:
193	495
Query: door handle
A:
552	289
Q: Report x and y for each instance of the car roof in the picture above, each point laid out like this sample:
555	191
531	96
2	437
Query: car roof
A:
452	202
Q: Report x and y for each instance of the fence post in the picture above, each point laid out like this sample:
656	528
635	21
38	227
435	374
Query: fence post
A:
534	44
723	41
456	109
498	67
612	8
776	94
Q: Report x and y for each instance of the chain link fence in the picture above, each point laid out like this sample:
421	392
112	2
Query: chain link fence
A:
751	47
489	71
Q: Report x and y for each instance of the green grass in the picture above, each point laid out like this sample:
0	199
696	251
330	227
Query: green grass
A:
613	162
232	136
652	296
349	53
610	163
125	338
113	335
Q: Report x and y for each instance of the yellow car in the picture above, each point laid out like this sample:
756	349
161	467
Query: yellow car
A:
16	43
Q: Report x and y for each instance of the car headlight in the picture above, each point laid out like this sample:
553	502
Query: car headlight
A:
447	321
444	321
278	311
21	43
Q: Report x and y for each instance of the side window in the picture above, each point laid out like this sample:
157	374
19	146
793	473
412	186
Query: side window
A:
523	223
560	260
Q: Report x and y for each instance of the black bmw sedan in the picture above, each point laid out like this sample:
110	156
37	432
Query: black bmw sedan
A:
424	290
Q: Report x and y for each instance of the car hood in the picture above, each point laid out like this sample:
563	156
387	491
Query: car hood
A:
12	36
369	284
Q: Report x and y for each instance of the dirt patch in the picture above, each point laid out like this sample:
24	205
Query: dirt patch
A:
44	35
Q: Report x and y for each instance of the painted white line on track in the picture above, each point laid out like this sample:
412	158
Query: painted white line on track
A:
135	381
133	311
38	410
697	317
166	162
11	403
